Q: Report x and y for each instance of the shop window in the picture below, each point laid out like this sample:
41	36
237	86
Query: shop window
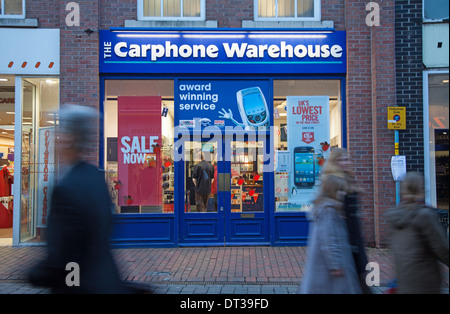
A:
438	139
435	9
287	9
307	125
7	104
197	152
12	8
171	9
247	181
40	103
139	161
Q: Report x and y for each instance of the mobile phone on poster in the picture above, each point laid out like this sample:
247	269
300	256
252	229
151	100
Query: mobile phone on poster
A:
253	107
304	167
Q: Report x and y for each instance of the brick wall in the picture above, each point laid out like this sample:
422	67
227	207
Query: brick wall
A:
383	80
359	113
44	11
113	13
370	90
229	13
409	86
334	10
79	81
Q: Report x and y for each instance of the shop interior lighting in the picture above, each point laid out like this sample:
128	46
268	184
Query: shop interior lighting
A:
282	105
287	36
149	35
212	36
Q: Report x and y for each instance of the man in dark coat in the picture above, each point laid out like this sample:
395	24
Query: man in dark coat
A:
79	258
203	177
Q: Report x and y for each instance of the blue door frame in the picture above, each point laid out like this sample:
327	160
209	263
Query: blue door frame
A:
222	227
248	228
196	228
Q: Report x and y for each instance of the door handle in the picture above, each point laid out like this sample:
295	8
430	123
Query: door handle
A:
224	182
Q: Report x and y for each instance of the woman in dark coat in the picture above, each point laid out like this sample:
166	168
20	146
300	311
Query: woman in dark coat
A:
418	240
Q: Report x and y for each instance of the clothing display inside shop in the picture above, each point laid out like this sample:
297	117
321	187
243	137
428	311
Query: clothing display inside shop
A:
6	200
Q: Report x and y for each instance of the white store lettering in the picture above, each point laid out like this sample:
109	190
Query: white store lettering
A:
138	145
232	50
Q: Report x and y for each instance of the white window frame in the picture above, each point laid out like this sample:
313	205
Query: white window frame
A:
428	19
429	164
141	17
316	17
12	16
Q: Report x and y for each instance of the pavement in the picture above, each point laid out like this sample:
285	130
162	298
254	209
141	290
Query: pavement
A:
255	270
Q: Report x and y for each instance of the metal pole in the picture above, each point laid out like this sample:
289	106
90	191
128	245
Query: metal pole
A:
397	183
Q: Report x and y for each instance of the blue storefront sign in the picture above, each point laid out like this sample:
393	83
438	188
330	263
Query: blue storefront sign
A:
229	51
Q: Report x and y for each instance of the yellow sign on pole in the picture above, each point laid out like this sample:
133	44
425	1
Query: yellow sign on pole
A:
396	118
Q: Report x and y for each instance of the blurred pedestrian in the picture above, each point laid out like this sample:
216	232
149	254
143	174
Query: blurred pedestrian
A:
339	164
330	267
79	221
418	241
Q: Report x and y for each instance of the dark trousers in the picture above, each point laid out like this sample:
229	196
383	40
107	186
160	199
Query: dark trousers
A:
201	200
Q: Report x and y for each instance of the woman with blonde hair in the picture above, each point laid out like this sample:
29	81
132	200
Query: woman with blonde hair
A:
329	266
339	164
418	240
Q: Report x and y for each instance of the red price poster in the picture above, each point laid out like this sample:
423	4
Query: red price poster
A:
139	142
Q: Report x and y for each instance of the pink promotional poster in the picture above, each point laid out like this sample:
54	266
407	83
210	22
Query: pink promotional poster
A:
308	136
139	159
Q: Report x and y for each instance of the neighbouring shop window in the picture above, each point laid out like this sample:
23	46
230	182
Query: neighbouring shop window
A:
12	8
138	128
282	9
307	124
167	9
7	111
438	139
40	99
435	9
